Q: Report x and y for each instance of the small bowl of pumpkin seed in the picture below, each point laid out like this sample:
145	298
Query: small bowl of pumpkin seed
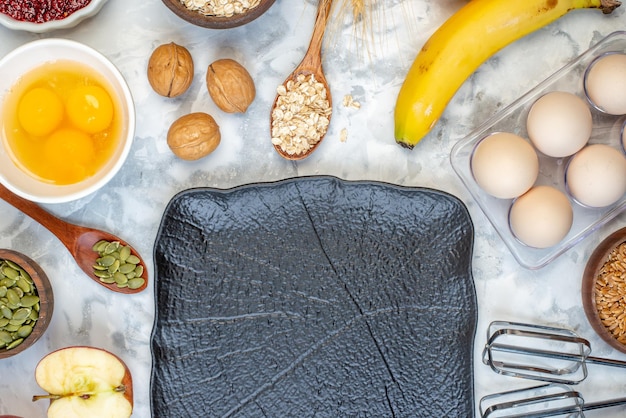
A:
26	302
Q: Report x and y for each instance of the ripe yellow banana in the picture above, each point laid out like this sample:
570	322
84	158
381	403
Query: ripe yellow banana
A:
466	40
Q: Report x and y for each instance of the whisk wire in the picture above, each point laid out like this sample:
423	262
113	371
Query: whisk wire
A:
549	400
540	353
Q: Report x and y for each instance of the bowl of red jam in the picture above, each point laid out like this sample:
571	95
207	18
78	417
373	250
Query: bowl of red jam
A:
46	15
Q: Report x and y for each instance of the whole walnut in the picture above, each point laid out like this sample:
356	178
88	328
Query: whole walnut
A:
170	70
193	136
230	85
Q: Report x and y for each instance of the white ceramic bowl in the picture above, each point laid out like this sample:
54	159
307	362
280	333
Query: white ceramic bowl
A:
69	22
31	55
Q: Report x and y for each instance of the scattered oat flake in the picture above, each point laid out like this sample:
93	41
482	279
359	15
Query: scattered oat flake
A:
343	136
348	101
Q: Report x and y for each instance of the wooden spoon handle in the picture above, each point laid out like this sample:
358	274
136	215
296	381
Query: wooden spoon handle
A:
65	232
313	56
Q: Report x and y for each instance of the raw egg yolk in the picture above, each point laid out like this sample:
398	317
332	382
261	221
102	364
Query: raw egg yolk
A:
90	109
69	155
40	111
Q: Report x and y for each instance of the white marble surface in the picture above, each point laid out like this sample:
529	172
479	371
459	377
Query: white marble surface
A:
131	205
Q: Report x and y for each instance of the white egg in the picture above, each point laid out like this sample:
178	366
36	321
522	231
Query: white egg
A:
504	165
541	217
559	124
605	83
596	176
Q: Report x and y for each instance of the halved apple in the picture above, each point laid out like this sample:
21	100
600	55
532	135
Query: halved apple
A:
85	382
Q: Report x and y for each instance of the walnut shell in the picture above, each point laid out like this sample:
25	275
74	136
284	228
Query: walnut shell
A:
193	136
170	70
230	85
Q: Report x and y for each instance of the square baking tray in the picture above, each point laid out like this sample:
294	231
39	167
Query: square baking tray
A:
607	130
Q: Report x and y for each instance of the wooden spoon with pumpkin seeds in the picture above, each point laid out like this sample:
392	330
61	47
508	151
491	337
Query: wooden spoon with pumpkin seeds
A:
81	243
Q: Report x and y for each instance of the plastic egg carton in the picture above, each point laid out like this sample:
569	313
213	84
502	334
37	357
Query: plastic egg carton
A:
607	129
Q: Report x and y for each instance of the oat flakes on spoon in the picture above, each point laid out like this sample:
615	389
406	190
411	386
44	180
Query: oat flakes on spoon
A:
303	105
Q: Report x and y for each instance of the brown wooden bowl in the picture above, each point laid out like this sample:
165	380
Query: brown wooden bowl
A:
596	261
216	22
46	299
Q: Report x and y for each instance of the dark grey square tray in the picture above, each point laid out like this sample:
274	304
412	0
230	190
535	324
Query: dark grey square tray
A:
314	297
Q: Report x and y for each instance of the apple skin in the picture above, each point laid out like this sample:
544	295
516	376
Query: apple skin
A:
78	362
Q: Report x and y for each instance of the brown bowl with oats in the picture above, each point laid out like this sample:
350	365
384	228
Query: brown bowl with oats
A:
604	290
215	15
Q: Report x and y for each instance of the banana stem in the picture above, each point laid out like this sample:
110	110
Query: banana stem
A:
608	6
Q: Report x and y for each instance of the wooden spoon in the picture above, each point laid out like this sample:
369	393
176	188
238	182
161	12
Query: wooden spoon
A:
79	240
311	64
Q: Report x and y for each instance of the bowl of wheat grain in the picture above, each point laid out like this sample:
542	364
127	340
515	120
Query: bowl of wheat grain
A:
604	290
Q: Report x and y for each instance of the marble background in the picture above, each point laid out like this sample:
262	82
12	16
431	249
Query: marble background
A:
370	65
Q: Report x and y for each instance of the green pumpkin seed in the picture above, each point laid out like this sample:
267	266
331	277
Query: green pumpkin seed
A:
7	282
11	328
24	331
13	265
5	337
133	259
23	284
10	272
21	314
106	261
136	283
13	297
34	315
99	246
99	267
3	291
139	271
126	268
114	267
124	253
120	278
6	312
15	343
28	301
18	322
4	322
107	280
102	274
111	247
